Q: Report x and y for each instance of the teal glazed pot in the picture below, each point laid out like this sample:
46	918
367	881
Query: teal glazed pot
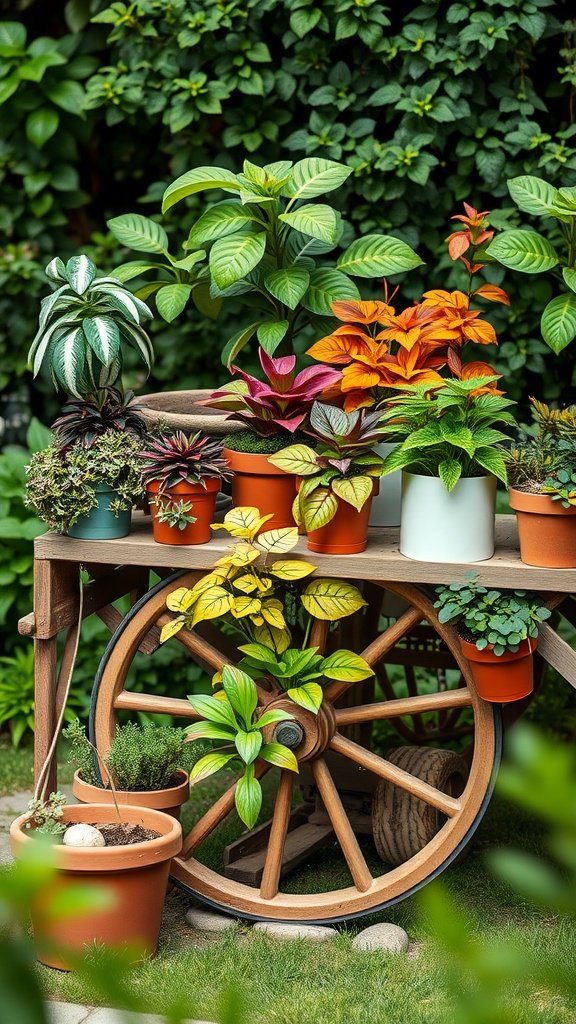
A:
101	523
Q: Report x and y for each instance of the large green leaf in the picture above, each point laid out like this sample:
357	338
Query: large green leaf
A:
533	195
68	361
103	337
209	765
378	256
222	219
297	458
450	472
569	275
12	36
210	731
316	220
133	268
41	125
318	508
558	322
326	287
270	334
139	233
213	710
198	180
171	300
315	176
289	285
526	251
241	692
248	799
354	489
346	667
308	696
332	599
233	257
281	756
237	342
80	272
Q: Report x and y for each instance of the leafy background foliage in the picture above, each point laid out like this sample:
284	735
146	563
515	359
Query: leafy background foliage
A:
429	103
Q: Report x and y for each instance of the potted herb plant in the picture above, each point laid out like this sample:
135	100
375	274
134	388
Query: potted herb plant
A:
273	411
337	477
148	765
87	490
182	476
498	634
451	457
542	477
84	326
122	853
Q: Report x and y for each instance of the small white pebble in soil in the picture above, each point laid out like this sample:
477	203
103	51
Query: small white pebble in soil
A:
83	835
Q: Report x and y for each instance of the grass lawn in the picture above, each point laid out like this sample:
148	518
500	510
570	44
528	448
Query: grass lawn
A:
330	983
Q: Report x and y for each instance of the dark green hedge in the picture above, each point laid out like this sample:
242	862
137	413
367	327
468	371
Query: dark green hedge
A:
433	103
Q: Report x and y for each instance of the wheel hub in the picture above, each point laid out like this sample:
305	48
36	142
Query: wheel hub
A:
305	733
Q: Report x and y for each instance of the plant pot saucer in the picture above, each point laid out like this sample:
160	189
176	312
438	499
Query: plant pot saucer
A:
180	410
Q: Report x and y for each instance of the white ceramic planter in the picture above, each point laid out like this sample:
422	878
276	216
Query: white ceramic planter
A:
386	504
442	526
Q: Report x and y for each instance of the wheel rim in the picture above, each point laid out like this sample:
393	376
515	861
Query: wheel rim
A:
367	893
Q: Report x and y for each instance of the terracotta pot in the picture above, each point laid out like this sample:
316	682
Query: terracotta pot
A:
181	410
257	482
168	800
135	876
347	532
546	530
204	502
501	680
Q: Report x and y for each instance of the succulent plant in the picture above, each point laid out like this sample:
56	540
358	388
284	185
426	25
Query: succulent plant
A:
85	420
177	459
83	326
282	401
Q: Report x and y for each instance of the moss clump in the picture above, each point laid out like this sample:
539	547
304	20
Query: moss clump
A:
250	443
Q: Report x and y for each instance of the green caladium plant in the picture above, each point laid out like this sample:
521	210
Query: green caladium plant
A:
502	619
83	326
449	429
300	672
533	253
232	717
264	244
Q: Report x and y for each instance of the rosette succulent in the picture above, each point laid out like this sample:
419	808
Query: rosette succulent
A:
177	459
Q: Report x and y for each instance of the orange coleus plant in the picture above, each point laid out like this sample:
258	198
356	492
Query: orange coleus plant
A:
379	348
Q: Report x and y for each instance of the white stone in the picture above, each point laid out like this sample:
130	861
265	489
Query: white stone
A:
74	1013
284	930
209	921
83	835
388	937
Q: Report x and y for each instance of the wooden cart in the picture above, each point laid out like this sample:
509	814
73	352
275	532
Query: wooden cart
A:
425	816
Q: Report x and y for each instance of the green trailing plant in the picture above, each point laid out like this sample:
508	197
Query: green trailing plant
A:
448	430
61	484
300	672
84	325
531	252
264	244
342	466
141	757
177	514
85	420
500	619
175	459
545	462
233	719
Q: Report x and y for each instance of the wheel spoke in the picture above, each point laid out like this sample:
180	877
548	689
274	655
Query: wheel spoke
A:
386	770
460	698
342	827
216	814
379	647
128	701
277	838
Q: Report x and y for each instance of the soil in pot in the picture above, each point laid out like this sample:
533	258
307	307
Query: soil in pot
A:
257	482
502	679
346	533
116	834
204	504
101	523
546	530
169	800
134	878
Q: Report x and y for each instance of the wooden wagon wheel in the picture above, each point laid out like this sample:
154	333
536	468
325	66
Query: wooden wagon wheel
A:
323	737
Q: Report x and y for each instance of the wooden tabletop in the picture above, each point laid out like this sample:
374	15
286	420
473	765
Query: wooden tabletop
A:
380	561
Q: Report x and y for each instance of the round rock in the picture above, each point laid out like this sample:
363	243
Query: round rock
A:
209	921
284	930
83	835
388	937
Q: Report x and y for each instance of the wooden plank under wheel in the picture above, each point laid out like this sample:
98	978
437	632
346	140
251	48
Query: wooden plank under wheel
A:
321	737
